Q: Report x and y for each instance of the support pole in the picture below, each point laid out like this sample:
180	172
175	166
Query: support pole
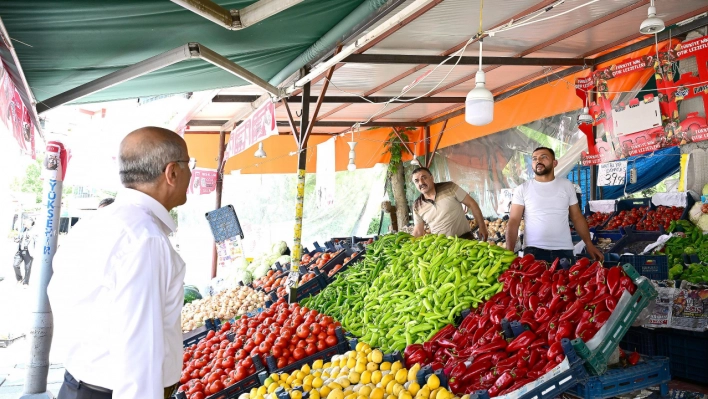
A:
300	194
593	168
219	190
426	144
432	155
42	320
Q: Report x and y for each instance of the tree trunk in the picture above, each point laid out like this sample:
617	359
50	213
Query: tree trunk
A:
399	195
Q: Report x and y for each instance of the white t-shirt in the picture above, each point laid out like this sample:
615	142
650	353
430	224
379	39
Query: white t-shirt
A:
546	212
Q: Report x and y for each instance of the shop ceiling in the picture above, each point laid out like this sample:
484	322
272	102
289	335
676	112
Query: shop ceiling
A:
62	46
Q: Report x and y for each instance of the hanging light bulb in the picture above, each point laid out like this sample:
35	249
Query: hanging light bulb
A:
260	153
653	24
585	117
352	155
479	104
415	162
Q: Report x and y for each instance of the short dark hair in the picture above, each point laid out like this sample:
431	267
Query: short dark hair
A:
420	169
106	202
553	153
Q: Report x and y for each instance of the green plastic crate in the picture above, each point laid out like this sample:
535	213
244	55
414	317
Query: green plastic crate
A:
596	361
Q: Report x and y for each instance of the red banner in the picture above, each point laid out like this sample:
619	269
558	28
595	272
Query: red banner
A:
14	115
255	128
203	181
672	131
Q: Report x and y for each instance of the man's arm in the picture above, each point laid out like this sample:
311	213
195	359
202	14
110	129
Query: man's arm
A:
137	341
472	205
581	227
419	229
516	212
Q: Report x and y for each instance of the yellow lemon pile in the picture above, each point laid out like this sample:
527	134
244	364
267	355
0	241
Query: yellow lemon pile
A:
357	374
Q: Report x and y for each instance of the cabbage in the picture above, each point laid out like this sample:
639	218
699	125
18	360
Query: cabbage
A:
279	248
260	271
284	260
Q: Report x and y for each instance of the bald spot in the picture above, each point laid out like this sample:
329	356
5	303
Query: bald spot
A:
147	139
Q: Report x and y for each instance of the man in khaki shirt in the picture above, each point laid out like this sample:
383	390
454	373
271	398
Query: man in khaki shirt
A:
440	206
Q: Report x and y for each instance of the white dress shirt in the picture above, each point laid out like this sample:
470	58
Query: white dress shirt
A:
117	294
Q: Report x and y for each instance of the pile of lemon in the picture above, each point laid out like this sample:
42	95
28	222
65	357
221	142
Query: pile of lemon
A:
357	374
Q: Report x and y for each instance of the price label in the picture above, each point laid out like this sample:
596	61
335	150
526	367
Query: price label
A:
612	173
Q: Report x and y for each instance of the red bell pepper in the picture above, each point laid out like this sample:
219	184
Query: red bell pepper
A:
538	343
499	355
534	356
601	276
552	330
526	261
542	314
565	330
475	370
445	332
535	374
458	370
505	380
555	350
573	313
445	343
626	284
491	347
522	341
417	356
484	320
582	262
600	307
601	318
411	348
507	364
587	332
611	303
633	358
554	265
435	365
599	298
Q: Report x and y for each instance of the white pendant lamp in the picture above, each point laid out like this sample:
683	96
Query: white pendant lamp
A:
479	104
352	166
653	24
414	161
260	153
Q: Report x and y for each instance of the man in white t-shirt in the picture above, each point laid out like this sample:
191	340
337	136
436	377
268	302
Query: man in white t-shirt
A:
545	203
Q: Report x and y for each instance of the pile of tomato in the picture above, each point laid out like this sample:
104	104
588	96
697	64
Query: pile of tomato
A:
660	217
627	218
597	219
287	332
270	281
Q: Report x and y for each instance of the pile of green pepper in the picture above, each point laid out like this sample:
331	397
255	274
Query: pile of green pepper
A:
694	243
424	284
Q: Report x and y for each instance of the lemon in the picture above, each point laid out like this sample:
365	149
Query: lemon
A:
317	382
371	366
317	364
324	391
336	394
352	354
377	393
413	387
354	377
253	392
290	379
413	372
335	371
386	379
401	376
272	387
405	395
389	386
396	366
307	388
334	385
424	391
268	381
365	390
376	356
376	377
326	365
314	394
362	397
295	394
360	367
261	391
390	397
444	394
433	381
343	382
397	388
351	363
385	366
466	396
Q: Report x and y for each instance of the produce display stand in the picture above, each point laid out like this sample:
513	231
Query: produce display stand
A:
640	339
653	267
650	372
626	205
686	211
356	258
596	360
234	391
194	336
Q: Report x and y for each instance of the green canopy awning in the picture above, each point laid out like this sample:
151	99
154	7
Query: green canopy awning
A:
63	44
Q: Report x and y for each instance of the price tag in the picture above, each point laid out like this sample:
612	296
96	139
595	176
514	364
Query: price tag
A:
612	173
293	278
504	200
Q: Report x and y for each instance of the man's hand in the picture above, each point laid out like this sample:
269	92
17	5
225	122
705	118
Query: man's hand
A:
482	233
595	253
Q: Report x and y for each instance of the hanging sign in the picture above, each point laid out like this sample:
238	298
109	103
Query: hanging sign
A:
612	174
255	128
629	130
203	181
14	115
325	183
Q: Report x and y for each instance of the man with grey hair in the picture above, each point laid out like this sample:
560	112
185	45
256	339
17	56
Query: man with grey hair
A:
120	270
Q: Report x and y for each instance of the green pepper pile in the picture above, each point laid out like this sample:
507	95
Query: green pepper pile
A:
423	284
694	243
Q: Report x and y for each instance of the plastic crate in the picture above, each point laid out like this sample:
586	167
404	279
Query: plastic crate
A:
654	267
684	216
196	335
687	351
312	287
356	258
640	339
234	391
340	348
650	372
596	361
625	205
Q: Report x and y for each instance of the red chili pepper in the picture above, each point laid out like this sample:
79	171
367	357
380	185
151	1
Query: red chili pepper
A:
544	291
601	276
506	364
601	318
613	278
418	356
493	333
526	260
610	303
482	357
498	356
533	302
484	320
554	265
555	350
490	347
574	312
633	358
542	314
517	385
458	370
436	365
535	374
445	332
538	343
529	320
588	331
455	384
565	330
445	343
535	355
536	269
475	370
600	307
504	381
626	284
523	340
469	321
411	348
547	276
511	314
599	299
590	271
496	316
515	263
584	294
574	272
429	348
582	262
552	330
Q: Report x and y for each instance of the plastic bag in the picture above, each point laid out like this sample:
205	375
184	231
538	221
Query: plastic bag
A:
658	245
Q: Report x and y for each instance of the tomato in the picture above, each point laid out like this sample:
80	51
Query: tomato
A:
197	395
228	381
330	329
220	354
331	341
322	335
217	386
211	377
258	338
271	338
321	345
299	353
198	387
239	374
223	344
303	331
247	362
249	345
310	349
184	378
282	362
242	331
210	334
287	352
286	333
315	328
301	344
228	363
264	347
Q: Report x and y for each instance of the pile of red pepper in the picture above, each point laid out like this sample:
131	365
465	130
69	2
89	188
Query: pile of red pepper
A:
549	302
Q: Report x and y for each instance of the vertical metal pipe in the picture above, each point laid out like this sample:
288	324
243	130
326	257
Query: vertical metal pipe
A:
42	320
219	189
300	194
426	144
